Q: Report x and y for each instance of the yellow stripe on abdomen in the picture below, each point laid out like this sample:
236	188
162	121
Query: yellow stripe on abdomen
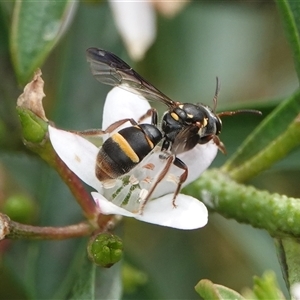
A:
125	147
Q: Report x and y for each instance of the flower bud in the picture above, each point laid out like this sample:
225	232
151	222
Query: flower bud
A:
31	111
105	249
20	208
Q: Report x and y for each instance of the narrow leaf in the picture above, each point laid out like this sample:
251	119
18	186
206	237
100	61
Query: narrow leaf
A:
275	137
266	287
84	287
36	28
290	14
93	282
288	250
109	283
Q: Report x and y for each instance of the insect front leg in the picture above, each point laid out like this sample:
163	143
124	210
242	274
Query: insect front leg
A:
216	140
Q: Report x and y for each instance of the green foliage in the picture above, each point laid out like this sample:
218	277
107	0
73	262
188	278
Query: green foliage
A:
207	290
288	252
265	287
36	28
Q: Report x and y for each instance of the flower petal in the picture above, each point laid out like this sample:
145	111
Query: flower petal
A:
108	208
77	153
135	21
198	159
121	104
190	213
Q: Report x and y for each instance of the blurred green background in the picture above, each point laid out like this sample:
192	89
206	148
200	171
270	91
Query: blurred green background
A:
241	42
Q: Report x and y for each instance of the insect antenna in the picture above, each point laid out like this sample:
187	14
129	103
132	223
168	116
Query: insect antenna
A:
240	111
215	99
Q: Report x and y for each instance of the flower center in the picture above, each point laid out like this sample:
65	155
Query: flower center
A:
130	190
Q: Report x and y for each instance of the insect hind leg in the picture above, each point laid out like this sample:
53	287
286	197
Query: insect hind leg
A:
182	178
99	132
171	159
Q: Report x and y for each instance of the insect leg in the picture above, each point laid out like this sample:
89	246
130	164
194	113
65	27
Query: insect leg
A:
161	176
220	145
109	129
216	140
152	112
180	164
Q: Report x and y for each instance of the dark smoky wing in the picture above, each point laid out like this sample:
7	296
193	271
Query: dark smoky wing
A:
180	143
186	139
109	69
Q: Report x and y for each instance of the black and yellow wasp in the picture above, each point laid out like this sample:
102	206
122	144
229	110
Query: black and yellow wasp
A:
183	125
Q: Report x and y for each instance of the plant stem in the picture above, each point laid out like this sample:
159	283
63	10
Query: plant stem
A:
278	214
15	230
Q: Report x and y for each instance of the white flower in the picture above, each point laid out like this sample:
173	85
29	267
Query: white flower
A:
136	22
295	291
80	157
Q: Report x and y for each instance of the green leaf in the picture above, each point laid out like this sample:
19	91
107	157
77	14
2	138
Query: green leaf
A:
94	282
109	283
275	137
288	250
36	28
84	287
290	13
266	287
208	290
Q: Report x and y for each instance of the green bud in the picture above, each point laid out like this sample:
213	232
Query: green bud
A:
20	208
105	249
33	127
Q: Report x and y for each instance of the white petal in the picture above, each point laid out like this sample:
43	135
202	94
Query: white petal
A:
108	208
198	159
190	213
170	8
77	153
121	104
135	21
295	291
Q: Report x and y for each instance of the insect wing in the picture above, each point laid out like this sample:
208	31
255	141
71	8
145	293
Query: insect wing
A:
185	140
109	69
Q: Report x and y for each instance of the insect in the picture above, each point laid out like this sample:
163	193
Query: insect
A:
126	148
183	125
